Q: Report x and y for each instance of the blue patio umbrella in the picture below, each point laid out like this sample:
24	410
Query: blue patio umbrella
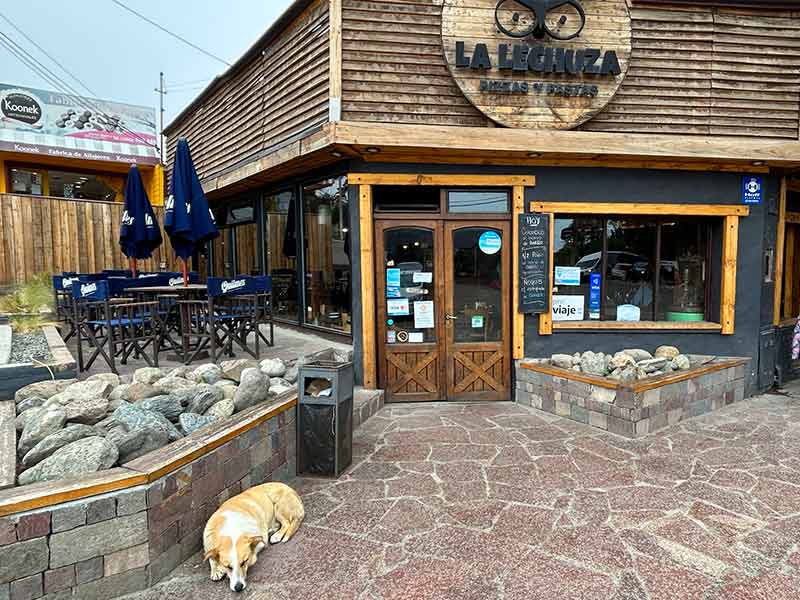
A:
188	220
139	233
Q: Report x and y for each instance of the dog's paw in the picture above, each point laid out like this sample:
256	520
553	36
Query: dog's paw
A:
276	538
217	576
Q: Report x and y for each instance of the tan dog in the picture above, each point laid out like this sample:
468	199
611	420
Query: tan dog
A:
238	530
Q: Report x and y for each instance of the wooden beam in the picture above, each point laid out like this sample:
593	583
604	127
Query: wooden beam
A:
779	256
335	61
789	272
793	185
546	318
730	246
370	356
792	217
440	180
638	325
624	208
518	318
571	143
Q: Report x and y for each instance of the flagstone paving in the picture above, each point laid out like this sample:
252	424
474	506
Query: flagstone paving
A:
484	501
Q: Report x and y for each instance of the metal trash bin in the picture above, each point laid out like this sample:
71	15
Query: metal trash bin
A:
325	416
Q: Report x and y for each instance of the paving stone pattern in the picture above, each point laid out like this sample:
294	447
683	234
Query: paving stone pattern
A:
492	501
107	546
624	411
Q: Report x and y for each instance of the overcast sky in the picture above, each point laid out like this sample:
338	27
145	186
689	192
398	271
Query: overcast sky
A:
119	56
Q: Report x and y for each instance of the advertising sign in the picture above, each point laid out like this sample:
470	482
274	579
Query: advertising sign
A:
490	242
595	286
35	121
568	308
568	276
752	189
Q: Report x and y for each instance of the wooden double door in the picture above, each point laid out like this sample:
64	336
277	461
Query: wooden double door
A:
443	308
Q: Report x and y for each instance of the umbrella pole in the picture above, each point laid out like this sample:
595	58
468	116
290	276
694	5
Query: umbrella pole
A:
185	272
133	267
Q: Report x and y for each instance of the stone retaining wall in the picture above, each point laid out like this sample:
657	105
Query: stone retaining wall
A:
109	544
635	409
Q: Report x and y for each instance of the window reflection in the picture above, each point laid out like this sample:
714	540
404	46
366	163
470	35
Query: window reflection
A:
281	250
629	267
327	253
477	286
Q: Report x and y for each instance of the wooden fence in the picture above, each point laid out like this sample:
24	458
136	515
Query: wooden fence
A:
51	235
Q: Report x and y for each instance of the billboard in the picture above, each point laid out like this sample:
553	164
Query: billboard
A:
37	121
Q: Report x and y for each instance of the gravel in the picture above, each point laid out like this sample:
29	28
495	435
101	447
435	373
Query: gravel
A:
26	347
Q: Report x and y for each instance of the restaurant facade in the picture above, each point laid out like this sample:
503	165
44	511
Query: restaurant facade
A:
455	185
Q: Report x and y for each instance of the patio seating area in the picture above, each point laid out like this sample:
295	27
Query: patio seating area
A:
137	320
485	501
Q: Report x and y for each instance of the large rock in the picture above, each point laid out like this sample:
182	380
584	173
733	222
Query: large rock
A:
205	399
681	363
42	389
651	365
278	381
76	459
87	410
29	403
668	352
147	375
563	361
222	409
209	373
273	367
232	369
277	390
133	392
625	374
638	354
254	388
111	378
85	389
136	443
191	422
169	384
291	374
621	359
54	441
22	420
107	424
593	363
134	417
43	424
167	405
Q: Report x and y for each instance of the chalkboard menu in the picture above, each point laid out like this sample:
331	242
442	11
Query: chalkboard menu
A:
534	262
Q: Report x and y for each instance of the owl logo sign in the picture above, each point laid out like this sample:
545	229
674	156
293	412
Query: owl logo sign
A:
537	64
560	19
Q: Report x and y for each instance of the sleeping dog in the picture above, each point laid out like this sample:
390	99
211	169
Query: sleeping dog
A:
241	526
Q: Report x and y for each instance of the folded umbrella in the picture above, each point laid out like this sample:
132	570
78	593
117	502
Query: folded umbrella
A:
139	233
188	220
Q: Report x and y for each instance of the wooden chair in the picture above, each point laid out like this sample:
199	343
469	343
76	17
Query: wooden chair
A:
63	303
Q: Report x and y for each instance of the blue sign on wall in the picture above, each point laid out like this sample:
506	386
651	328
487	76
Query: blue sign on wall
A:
752	189
594	295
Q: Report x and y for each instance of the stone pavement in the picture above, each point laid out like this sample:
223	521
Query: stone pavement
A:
485	501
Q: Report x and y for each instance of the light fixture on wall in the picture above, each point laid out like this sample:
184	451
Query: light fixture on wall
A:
337	154
534	154
372	150
758	163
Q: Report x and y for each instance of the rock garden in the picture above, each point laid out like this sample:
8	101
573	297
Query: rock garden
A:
626	365
70	428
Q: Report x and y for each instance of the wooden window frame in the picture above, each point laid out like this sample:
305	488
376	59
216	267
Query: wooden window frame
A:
730	213
365	181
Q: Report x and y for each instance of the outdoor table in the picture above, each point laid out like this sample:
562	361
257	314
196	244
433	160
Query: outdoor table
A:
191	292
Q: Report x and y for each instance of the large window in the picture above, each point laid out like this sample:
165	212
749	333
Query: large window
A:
632	268
64	184
326	232
281	252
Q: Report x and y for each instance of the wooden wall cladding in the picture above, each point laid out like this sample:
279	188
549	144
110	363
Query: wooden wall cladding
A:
709	71
280	95
393	66
52	235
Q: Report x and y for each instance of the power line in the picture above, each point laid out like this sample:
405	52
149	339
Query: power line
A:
168	32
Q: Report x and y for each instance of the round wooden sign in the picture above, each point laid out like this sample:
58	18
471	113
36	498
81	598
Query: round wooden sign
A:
550	64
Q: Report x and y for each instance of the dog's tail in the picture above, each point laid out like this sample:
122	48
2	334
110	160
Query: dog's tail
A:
293	526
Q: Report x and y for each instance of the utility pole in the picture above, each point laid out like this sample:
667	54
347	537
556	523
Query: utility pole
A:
162	91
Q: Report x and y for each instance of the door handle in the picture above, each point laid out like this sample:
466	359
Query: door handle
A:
451	317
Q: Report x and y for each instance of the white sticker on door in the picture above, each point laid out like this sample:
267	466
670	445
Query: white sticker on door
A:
423	314
568	308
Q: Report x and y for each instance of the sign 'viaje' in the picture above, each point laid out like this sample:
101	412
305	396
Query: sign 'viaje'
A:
537	63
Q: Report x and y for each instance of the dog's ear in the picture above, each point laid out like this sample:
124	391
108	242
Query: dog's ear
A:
255	540
213	553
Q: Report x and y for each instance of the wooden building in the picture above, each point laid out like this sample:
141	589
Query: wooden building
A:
380	159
